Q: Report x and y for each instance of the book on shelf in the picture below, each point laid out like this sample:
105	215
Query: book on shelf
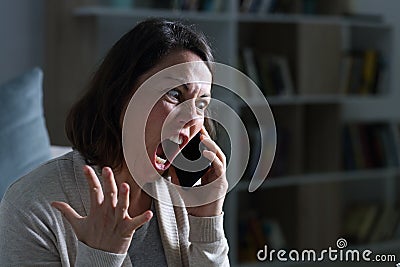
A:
370	223
186	4
369	72
371	149
274	234
245	244
211	5
368	146
359	222
337	7
256	6
255	232
264	7
388	141
385	227
280	75
286	6
362	72
352	148
249	63
270	72
268	82
251	236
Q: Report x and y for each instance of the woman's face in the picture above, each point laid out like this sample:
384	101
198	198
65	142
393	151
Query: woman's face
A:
179	114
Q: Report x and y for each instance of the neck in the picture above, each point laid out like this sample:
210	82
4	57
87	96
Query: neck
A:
139	200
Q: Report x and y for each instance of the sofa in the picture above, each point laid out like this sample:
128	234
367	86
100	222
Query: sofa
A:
24	140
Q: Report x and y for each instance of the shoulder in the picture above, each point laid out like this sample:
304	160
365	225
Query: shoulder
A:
29	225
55	180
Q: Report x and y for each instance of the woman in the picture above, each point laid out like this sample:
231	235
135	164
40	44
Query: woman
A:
85	208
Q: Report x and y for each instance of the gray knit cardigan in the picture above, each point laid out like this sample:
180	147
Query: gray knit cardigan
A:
32	233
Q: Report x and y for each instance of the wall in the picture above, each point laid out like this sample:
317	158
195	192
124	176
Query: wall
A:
21	35
22	45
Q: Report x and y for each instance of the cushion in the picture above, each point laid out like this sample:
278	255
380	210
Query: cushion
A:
24	141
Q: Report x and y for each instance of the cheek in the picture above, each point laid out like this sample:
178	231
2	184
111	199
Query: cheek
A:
157	117
196	127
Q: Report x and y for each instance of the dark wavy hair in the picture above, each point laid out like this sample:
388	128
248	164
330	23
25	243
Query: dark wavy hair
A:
93	125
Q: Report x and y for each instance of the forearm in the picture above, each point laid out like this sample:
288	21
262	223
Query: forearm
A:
208	244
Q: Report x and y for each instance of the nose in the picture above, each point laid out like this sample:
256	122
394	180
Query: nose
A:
189	115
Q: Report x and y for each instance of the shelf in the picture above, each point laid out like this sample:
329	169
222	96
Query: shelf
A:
100	11
318	99
104	11
289	18
303	179
367	24
309	19
305	99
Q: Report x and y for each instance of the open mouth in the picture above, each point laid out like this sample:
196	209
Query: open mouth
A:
167	150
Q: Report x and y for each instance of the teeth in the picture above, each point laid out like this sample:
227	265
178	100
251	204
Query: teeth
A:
176	139
160	160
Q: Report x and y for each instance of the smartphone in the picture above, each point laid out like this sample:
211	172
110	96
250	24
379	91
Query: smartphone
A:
191	158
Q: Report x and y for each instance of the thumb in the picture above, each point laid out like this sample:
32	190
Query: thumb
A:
68	212
138	221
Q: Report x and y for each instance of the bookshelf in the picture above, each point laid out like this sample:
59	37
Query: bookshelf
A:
309	191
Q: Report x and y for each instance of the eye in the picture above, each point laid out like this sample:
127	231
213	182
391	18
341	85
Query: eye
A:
201	104
174	94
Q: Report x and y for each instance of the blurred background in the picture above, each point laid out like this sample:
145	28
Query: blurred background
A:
329	70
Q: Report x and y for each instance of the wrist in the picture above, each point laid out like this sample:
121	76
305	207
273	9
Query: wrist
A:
208	210
206	229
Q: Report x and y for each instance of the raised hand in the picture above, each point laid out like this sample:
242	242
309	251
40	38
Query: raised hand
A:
108	226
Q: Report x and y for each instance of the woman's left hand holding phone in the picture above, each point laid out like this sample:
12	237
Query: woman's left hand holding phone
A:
217	172
108	227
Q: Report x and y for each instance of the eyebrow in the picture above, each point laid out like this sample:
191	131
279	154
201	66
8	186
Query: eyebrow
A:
185	86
